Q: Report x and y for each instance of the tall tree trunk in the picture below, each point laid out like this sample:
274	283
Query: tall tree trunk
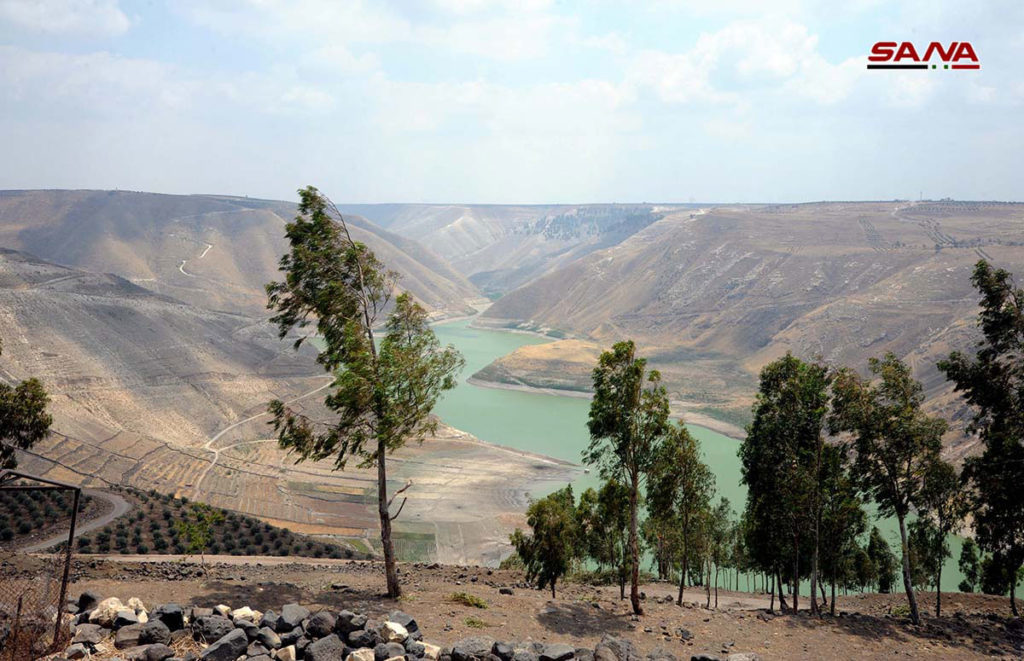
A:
796	574
938	590
915	616
707	583
771	607
777	581
553	588
824	599
685	567
817	525
634	545
716	586
832	604
1013	594
390	570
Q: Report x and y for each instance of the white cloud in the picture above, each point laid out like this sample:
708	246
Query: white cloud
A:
96	18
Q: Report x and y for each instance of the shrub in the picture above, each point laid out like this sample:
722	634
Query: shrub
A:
467	599
475	623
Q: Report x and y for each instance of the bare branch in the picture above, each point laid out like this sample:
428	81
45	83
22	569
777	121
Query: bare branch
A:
398	493
400	507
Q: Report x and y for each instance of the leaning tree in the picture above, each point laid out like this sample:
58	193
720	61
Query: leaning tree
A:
382	395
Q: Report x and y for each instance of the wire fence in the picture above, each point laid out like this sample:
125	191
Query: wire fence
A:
33	586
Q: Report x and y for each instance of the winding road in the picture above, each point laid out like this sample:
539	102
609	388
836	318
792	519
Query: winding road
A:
120	507
213	439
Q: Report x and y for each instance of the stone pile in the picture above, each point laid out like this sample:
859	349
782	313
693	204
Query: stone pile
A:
110	629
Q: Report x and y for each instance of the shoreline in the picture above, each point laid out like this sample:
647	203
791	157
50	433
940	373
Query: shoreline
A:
694	418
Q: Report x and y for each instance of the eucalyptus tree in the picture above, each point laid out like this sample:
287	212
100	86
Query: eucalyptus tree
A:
895	443
781	465
24	420
992	382
628	422
381	396
681	487
549	551
843	520
944	506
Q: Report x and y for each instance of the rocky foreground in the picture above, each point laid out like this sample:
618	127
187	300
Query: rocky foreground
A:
112	629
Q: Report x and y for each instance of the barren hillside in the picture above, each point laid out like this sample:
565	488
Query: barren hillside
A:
501	247
712	297
216	252
155	393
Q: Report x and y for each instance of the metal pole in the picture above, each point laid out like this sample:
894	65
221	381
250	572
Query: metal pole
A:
67	568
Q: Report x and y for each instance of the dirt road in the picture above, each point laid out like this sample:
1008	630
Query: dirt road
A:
119	507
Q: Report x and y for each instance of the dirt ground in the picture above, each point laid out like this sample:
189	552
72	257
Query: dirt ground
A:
972	626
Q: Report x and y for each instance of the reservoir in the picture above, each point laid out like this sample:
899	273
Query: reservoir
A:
557	426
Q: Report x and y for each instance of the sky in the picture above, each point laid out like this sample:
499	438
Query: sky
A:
510	101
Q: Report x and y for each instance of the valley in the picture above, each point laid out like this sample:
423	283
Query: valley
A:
143	314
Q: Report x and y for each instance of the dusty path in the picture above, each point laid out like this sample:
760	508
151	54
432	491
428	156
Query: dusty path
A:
120	507
213	439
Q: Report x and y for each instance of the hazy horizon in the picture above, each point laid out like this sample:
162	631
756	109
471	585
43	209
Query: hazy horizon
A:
497	102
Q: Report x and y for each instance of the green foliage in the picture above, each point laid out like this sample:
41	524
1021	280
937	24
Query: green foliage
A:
895	443
382	397
475	623
24	420
992	382
679	492
781	462
628	422
970	566
549	551
602	519
882	561
467	599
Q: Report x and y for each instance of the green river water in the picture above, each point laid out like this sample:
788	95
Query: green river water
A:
556	426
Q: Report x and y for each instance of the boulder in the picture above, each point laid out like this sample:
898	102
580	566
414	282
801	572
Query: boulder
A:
106	612
320	624
292	616
125	617
269	619
473	648
507	591
88	600
76	651
405	620
524	655
431	652
347	622
393	632
704	656
246	613
557	652
503	651
128	636
256	649
286	654
213	627
268	638
744	656
223	610
363	638
414	648
661	654
136	605
157	652
248	627
171	615
386	651
154	632
615	649
90	634
361	654
329	648
227	648
584	654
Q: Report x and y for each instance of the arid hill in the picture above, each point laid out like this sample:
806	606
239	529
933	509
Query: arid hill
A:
501	247
154	393
216	252
714	296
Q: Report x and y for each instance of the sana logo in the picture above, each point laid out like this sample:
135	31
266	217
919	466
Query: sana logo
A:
892	55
